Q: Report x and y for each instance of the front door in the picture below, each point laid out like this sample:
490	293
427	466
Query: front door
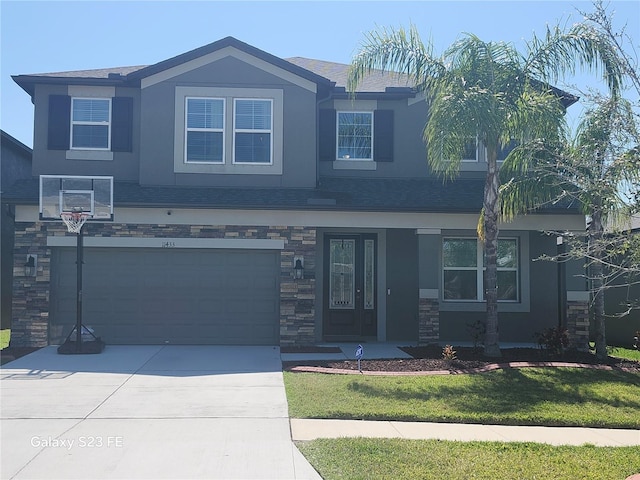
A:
350	300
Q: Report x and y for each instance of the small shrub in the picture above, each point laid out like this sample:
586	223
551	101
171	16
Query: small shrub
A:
477	330
554	339
448	353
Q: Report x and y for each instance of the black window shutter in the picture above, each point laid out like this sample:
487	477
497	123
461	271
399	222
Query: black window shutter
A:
327	134
59	122
122	124
383	135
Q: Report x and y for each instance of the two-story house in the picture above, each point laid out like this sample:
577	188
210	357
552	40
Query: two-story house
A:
231	167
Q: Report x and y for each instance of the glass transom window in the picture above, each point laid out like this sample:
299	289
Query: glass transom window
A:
463	269
204	130
253	131
355	136
91	123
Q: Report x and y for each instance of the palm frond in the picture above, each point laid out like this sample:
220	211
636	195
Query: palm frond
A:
559	53
399	51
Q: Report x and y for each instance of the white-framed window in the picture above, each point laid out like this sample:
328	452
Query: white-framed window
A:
470	152
90	123
354	135
204	130
505	150
253	131
232	131
463	269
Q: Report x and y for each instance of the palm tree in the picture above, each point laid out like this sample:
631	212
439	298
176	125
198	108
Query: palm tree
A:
598	169
491	92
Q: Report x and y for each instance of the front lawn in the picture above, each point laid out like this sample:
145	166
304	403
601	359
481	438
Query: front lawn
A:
5	336
532	396
626	353
395	459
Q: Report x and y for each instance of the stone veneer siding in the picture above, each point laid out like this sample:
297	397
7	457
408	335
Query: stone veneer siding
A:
428	321
578	325
30	322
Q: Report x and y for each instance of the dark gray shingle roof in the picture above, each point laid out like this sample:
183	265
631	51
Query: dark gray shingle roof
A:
377	81
333	194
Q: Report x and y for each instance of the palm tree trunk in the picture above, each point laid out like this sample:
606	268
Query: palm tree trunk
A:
597	284
491	211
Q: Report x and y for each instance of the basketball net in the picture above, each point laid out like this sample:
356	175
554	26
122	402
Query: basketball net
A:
74	220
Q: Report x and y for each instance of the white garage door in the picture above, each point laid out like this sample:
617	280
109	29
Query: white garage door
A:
177	296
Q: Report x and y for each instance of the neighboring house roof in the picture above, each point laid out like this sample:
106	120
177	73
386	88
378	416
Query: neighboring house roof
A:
338	194
15	161
15	144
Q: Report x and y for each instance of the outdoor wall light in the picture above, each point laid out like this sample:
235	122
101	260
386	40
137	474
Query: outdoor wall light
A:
298	268
31	267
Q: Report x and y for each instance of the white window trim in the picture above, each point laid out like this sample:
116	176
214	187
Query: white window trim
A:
187	129
246	130
228	167
479	269
477	158
73	122
349	159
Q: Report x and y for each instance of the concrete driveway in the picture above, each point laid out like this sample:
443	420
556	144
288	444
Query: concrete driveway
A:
136	412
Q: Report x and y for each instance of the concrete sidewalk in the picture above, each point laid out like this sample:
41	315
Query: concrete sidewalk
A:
311	429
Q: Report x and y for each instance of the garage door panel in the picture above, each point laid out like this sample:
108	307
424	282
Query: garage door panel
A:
153	296
265	307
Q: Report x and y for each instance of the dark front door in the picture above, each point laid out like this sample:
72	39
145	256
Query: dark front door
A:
350	300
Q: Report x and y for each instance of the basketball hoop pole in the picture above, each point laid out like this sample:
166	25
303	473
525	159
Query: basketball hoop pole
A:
79	262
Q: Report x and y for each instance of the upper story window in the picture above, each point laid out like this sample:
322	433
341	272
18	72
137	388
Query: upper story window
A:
355	135
228	130
253	133
470	152
463	269
91	123
505	150
204	130
365	134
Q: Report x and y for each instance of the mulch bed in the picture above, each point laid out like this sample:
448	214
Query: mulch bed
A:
428	360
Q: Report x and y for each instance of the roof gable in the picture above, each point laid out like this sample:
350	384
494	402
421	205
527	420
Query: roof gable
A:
228	46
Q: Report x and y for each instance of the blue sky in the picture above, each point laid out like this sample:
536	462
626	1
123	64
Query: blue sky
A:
53	36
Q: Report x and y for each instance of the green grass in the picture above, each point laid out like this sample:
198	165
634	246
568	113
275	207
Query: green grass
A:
5	335
620	352
533	396
361	458
626	353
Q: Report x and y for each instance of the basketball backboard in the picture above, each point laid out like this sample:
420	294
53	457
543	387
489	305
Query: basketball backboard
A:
67	193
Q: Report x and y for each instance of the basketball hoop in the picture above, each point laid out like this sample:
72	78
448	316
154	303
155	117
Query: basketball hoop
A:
74	220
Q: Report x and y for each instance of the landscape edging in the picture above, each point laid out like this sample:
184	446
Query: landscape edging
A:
488	368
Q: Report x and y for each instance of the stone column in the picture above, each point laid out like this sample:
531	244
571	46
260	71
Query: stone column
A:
30	311
429	317
578	320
